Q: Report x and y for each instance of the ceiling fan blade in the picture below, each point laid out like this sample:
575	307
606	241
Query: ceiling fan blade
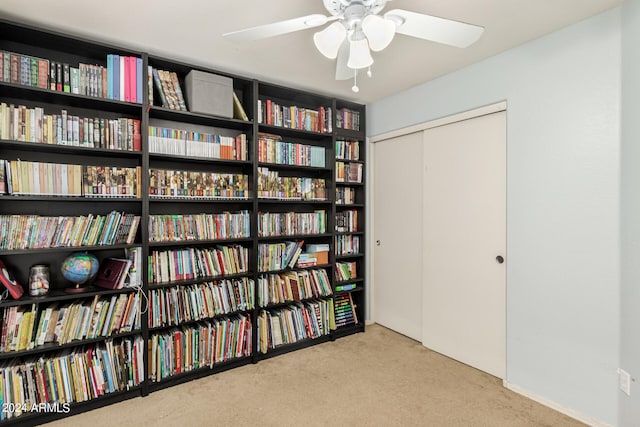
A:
436	29
342	71
278	28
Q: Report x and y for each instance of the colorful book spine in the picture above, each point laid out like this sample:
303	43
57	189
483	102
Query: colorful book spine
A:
192	184
291	223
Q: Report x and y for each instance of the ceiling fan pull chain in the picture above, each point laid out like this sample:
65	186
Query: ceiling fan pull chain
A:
355	87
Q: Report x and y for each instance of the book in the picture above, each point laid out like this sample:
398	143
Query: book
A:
112	273
238	110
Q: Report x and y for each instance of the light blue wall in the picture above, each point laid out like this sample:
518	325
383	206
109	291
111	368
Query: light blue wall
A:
630	228
563	197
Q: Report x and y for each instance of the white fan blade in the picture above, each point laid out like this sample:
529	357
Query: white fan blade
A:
436	29
342	71
278	28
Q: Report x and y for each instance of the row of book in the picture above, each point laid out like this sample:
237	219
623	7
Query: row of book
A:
70	376
203	226
24	70
278	256
23	177
195	263
345	195
168	87
197	144
347	245
25	328
294	323
347	221
294	117
292	286
348	172
273	186
291	223
203	345
345	310
176	305
191	184
346	271
21	123
348	119
120	79
347	150
35	231
272	149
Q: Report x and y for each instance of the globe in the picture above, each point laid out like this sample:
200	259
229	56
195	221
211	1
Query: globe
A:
79	267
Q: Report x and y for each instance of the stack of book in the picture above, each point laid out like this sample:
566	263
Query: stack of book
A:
347	245
34	231
66	377
348	172
347	221
292	286
294	117
168	89
191	184
176	305
273	186
197	144
345	195
293	323
204	226
210	342
347	150
271	149
27	328
348	119
278	256
291	223
194	263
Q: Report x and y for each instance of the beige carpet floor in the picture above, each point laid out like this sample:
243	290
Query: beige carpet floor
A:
378	378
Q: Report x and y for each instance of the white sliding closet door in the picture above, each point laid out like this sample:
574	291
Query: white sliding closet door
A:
464	293
397	260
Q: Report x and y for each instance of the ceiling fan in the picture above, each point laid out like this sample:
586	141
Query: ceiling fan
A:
359	29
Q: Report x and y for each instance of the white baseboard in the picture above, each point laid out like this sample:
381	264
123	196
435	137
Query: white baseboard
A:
556	406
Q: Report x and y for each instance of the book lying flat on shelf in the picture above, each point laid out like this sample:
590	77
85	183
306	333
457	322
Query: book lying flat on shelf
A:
112	273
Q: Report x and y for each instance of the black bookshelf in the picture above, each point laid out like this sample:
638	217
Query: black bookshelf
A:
321	110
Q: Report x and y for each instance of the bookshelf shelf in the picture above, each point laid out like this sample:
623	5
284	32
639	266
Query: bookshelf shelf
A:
198	242
57	295
197	280
286	348
294	237
198	373
309	267
199	119
70	149
314	137
286	303
35	94
65	249
54	347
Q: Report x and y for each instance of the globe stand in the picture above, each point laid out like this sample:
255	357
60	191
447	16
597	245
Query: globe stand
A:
76	289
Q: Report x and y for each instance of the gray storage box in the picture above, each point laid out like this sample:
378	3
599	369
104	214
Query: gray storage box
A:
209	93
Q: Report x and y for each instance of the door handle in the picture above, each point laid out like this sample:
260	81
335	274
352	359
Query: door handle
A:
499	259
377	242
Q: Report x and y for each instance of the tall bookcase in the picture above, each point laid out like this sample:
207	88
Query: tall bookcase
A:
293	196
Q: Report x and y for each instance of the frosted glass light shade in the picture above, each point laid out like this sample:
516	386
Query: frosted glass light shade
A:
328	41
359	55
379	31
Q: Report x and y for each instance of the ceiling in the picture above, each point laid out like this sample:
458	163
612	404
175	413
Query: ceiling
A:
191	31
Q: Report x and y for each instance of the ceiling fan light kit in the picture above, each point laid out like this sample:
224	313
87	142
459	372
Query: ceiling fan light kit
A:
359	29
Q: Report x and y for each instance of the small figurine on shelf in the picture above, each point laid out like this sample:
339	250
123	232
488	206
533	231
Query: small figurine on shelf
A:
39	280
79	268
12	286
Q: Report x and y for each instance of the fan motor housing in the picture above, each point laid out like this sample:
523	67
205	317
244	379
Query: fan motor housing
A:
354	9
